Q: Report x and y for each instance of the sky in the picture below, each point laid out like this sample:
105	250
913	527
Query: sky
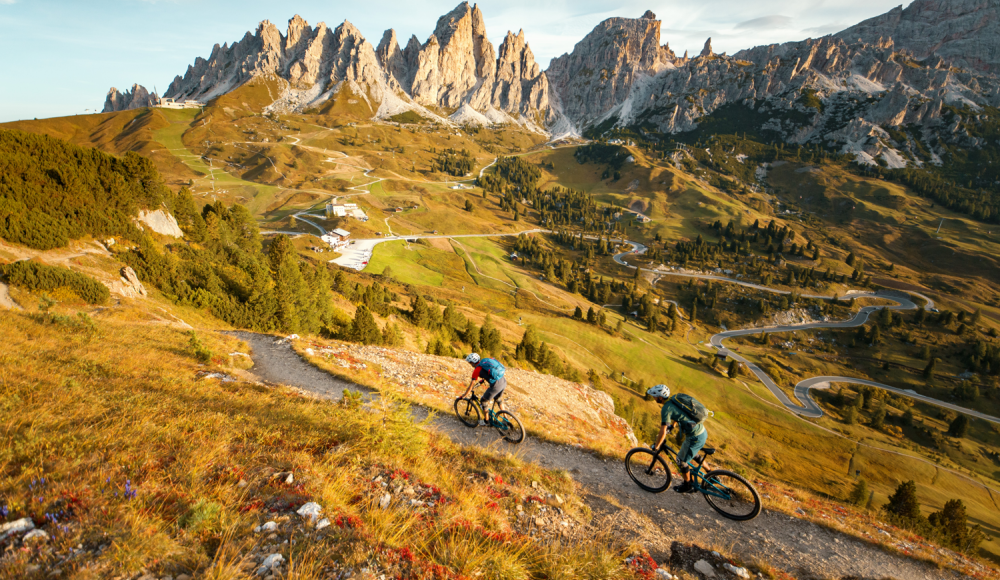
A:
62	56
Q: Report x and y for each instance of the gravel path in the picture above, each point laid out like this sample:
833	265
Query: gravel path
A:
797	546
5	300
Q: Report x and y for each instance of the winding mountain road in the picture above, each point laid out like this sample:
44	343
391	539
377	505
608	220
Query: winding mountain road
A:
806	406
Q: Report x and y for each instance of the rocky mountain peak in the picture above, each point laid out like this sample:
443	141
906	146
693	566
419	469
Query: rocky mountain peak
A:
964	32
649	15
135	98
299	32
602	68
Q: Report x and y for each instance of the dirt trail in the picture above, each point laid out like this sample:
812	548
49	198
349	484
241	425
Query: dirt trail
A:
5	300
799	547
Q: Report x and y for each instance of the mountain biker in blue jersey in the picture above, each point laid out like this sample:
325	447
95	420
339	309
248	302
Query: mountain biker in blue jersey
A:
488	370
695	434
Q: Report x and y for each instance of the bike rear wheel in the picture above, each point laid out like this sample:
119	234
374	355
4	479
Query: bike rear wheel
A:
731	495
467	411
650	474
509	427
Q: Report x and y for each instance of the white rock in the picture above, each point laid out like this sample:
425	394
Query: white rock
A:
384	502
267	527
161	222
272	561
322	523
662	574
311	510
705	569
741	572
16	526
290	479
35	536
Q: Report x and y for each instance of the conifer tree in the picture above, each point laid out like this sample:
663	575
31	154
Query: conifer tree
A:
363	329
903	503
420	313
489	337
859	494
959	426
289	288
929	369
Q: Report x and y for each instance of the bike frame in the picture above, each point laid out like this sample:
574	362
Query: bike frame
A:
488	414
696	476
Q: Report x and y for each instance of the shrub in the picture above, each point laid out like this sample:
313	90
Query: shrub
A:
200	351
35	276
859	494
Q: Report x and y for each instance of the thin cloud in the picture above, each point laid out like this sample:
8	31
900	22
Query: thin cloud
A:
825	29
766	23
7	1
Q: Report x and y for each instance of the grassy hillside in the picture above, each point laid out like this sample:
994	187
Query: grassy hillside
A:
173	487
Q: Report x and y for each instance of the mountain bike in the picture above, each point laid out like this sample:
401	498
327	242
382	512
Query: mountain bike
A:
470	410
728	493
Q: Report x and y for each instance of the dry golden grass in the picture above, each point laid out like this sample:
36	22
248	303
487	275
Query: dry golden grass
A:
99	413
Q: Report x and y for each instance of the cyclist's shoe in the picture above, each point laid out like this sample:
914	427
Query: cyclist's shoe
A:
482	423
685	487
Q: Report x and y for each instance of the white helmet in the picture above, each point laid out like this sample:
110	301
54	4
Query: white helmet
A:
662	391
472	359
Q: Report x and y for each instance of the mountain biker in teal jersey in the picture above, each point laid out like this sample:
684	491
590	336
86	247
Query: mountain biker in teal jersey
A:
491	371
695	434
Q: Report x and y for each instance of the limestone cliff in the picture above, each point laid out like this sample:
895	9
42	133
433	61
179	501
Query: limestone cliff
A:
603	67
135	98
456	66
964	32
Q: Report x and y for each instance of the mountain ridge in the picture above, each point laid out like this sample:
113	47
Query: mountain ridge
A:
619	75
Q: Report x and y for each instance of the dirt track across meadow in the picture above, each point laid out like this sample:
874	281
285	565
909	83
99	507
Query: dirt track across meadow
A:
799	547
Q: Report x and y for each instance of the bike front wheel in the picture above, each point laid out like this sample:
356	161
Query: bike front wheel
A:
648	471
509	427
467	411
731	495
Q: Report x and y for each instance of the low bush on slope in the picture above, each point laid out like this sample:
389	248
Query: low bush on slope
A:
35	276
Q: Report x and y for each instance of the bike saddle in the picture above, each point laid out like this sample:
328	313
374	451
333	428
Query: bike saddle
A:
708	450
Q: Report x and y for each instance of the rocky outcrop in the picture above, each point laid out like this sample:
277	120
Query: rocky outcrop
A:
128	284
161	222
135	98
603	67
964	32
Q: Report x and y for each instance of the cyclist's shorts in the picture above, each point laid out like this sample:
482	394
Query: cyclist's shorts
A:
691	446
496	391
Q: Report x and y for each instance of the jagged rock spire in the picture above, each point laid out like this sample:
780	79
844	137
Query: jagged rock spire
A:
135	98
707	50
